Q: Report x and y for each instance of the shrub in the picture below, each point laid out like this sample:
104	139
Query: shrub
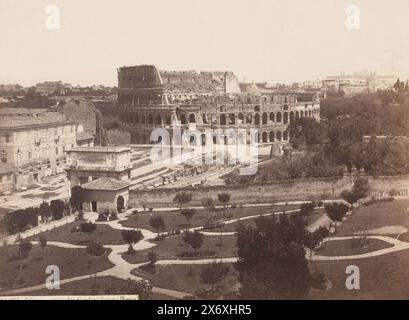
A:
57	209
188	213
102	217
211	224
88	227
96	249
113	216
318	280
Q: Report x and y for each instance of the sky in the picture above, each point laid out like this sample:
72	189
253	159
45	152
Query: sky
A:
259	40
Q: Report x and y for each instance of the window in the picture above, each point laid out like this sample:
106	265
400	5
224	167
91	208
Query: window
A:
7	138
56	150
3	156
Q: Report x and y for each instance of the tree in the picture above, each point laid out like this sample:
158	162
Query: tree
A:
182	198
336	211
313	239
157	223
214	273
360	187
194	239
57	209
272	262
307	208
188	214
350	196
224	198
207	203
152	257
43	242
20	220
131	237
77	198
24	248
45	212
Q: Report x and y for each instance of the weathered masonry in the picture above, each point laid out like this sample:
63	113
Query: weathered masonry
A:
145	104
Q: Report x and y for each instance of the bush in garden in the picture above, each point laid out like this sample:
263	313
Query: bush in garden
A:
96	249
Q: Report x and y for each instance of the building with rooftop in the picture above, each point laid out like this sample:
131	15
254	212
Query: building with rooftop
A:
86	164
34	145
106	194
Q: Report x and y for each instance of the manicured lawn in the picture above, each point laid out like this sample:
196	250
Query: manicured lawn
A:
173	248
376	216
231	227
346	248
72	262
177	277
175	220
90	286
103	235
383	277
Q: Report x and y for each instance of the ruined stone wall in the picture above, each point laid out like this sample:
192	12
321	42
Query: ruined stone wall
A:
279	191
256	193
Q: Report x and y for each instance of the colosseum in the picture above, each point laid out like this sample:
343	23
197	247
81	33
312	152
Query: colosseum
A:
151	99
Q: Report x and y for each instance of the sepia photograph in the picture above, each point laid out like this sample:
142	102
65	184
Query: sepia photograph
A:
207	150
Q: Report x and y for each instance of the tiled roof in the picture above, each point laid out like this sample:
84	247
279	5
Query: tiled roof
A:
25	121
80	136
106	183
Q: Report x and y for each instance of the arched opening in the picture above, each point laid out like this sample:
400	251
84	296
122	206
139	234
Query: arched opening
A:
302	114
291	116
285	118
271	136
285	136
143	119
223	119
265	137
240	138
257	119
240	117
167	120
203	138
297	115
192	118
264	118
150	119
278	117
204	118
232	119
192	140
183	118
120	204
279	135
272	116
257	109
158	119
249	119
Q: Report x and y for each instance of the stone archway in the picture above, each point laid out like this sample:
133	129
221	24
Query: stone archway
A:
120	204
